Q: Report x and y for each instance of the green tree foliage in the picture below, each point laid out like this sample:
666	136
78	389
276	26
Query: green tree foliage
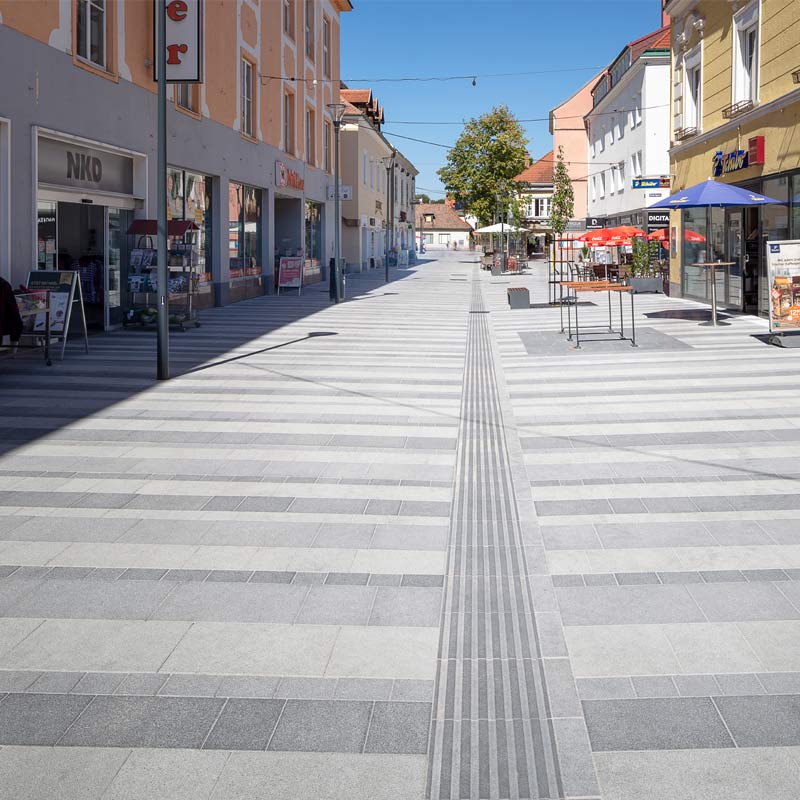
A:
424	197
489	153
562	206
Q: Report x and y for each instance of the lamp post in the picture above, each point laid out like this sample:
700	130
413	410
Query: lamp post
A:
421	228
337	113
388	162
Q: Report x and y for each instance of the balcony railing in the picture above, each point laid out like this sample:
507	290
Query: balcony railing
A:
735	109
682	134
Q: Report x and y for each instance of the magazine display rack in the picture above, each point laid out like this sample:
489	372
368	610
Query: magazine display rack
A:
183	278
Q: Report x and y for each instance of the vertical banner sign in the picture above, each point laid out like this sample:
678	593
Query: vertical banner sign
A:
184	41
783	265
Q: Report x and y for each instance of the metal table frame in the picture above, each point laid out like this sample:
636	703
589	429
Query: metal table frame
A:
600	286
712	265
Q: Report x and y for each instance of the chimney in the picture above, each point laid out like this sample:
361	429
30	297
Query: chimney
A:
528	160
664	19
450	202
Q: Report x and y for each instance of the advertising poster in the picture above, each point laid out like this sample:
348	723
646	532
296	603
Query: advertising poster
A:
61	286
783	265
290	273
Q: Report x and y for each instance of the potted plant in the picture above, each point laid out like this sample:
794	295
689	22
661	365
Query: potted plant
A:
641	275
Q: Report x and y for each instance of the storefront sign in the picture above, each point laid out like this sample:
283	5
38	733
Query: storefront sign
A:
290	273
79	167
288	177
184	40
595	223
651	183
755	150
657	220
783	265
725	163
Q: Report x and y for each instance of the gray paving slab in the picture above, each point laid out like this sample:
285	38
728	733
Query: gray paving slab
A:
740	602
244	725
399	728
38	719
338	726
765	721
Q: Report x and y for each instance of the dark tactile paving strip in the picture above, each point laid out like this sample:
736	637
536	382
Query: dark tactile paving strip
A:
491	737
651	578
338	726
678	723
223	576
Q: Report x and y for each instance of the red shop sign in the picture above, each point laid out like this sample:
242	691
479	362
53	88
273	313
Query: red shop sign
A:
756	150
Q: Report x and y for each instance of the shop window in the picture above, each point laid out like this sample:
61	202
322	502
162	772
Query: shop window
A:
745	55
46	245
247	104
288	123
326	47
311	139
796	206
310	29
244	230
326	147
91	31
694	252
312	270
288	18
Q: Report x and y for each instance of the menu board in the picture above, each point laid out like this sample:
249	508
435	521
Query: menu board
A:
290	273
783	266
61	285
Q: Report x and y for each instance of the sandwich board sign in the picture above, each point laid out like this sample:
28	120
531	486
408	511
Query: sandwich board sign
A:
64	287
290	273
783	270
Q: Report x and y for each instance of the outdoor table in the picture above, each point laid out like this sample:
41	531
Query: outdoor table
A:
600	286
712	265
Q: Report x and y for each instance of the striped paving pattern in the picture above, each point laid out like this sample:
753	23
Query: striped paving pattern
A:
664	480
230	585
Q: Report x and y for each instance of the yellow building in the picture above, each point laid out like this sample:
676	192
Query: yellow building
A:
735	115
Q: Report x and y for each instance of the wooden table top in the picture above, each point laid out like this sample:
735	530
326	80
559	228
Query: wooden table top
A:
596	286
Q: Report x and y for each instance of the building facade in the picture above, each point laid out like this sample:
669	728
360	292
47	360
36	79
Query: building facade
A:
249	149
439	227
628	133
534	187
367	210
735	118
569	134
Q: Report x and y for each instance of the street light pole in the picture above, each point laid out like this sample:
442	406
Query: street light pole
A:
388	162
337	112
162	338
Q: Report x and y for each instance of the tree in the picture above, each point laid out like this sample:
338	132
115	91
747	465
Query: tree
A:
562	206
489	153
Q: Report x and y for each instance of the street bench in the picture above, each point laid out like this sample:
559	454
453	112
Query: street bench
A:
518	297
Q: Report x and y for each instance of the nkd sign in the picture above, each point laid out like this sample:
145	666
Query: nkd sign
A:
74	166
184	40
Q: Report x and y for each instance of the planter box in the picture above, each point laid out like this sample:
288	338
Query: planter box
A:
641	285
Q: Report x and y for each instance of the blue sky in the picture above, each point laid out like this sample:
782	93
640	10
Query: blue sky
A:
424	38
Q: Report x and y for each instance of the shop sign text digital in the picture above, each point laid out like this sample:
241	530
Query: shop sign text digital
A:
184	40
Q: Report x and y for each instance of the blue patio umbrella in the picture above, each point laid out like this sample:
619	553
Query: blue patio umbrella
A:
714	193
711	193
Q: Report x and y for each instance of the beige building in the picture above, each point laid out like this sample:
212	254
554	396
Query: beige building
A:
365	212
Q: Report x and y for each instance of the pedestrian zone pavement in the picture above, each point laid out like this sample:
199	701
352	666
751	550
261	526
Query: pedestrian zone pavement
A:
412	545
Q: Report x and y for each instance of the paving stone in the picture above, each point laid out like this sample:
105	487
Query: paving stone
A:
767	721
739	602
399	728
135	574
144	722
38	719
333	726
187	574
306	688
191	686
696	685
247	686
347	579
142	684
606	688
654	686
739	684
245	725
16	680
365	689
55	682
655	724
99	682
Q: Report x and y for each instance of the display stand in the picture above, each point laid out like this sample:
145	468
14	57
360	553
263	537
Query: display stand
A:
143	282
65	291
290	274
783	272
34	306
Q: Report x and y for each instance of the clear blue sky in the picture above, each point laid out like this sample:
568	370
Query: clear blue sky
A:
424	38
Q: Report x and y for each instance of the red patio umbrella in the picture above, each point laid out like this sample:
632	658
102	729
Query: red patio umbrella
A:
662	235
596	238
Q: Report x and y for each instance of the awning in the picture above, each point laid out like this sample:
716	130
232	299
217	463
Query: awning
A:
149	227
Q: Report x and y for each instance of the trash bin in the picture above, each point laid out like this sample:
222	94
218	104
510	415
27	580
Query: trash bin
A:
496	271
518	297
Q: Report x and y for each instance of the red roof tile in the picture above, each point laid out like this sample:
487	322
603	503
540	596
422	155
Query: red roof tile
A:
356	95
540	171
445	219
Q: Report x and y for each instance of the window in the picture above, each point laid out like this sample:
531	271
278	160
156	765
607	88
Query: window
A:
602	185
541	207
692	90
637	112
371	174
444	238
247	98
288	18
326	147
612	130
602	140
364	168
428	238
745	55
594	188
310	29
636	164
244	230
288	123
311	139
184	96
91	31
621	176
326	47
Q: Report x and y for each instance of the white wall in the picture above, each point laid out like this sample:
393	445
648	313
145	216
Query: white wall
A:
645	87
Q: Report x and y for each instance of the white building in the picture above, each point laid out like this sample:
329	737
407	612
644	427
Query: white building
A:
628	132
